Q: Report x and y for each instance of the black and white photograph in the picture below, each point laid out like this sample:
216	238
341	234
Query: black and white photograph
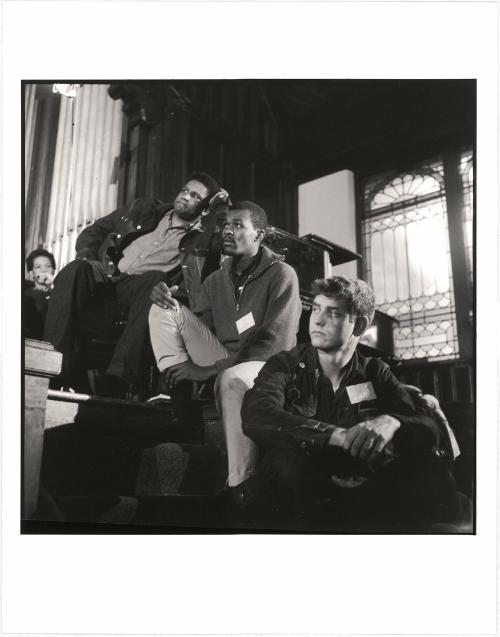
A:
249	343
241	316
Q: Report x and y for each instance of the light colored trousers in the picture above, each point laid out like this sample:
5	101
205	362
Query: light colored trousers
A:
179	336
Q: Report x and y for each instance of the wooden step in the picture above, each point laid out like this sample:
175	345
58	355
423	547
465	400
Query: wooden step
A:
97	446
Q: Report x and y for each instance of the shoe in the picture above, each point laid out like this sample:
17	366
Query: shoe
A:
109	386
242	495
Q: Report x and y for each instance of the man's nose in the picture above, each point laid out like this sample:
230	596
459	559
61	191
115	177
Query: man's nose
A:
319	318
227	230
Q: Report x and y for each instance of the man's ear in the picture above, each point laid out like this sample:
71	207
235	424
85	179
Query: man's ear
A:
361	324
260	235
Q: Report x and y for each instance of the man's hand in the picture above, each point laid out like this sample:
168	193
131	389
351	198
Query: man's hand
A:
188	371
369	439
161	295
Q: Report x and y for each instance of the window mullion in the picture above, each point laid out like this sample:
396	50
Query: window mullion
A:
454	207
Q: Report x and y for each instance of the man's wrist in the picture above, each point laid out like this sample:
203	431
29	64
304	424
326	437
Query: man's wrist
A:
210	371
337	437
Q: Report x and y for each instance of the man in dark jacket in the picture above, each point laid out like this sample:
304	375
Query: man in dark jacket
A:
148	241
343	437
250	310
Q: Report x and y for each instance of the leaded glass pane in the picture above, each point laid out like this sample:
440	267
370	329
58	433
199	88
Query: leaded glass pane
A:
391	191
408	260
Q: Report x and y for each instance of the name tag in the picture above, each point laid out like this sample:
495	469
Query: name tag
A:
245	323
361	392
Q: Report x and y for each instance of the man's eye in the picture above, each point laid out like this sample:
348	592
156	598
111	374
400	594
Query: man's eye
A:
196	196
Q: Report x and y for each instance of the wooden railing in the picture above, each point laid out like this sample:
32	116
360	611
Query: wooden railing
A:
449	380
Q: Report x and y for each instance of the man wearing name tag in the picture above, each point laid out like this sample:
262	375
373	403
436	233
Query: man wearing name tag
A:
250	309
343	439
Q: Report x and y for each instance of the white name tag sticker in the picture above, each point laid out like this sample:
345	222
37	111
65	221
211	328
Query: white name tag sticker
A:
245	323
361	392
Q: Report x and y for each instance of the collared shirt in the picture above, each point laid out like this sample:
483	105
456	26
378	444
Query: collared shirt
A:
328	397
157	250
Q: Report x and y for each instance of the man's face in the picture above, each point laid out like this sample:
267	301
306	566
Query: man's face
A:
239	236
330	325
187	202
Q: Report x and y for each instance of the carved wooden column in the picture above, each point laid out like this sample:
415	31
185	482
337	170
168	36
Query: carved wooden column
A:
41	363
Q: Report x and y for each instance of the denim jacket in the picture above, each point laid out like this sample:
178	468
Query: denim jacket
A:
280	409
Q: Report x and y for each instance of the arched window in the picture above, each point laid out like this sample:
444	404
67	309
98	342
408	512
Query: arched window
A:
407	259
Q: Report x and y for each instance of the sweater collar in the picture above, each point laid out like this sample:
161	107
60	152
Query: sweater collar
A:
267	259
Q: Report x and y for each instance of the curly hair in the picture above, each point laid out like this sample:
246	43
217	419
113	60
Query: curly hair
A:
207	180
358	295
39	252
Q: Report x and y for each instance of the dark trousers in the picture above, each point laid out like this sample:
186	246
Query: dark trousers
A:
80	285
295	488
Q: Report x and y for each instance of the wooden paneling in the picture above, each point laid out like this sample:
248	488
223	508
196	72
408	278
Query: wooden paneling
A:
226	129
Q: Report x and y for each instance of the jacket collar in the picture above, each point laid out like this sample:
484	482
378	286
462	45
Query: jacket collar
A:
309	361
267	259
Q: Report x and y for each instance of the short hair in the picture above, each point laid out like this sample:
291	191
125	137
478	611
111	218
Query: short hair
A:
258	215
207	180
39	252
358	294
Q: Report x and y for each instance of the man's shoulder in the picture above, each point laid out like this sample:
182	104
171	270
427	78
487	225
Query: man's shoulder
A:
148	205
372	368
298	355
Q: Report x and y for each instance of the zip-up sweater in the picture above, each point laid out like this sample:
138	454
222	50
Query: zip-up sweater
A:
270	296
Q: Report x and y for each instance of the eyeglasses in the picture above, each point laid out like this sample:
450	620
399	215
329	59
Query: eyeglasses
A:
193	194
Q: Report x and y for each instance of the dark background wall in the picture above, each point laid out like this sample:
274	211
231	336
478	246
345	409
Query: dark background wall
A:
262	138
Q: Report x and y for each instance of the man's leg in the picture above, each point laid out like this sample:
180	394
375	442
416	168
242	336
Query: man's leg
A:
176	337
179	336
73	288
132	353
230	387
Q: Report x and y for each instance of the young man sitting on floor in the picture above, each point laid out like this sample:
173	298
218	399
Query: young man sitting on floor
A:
345	444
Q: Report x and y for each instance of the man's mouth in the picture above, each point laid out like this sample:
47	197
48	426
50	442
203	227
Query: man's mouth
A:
316	332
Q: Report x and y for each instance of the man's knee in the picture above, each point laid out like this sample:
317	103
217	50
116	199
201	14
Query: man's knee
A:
73	270
229	383
160	318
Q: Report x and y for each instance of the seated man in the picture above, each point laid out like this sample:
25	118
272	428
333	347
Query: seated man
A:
150	241
252	304
345	444
41	267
